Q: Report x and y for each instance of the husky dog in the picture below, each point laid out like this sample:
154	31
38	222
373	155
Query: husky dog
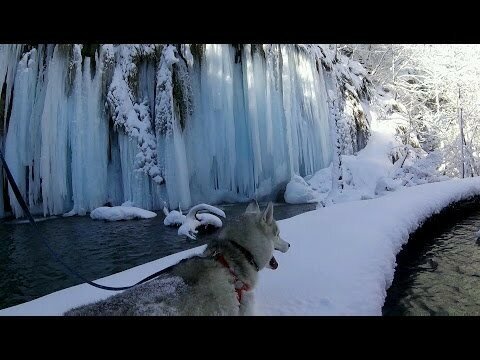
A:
217	282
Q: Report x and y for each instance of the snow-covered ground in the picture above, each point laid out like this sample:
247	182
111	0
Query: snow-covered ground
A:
341	260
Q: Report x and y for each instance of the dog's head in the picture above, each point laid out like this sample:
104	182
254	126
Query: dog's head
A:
279	243
267	226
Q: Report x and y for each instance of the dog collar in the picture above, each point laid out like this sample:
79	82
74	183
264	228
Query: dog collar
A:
247	254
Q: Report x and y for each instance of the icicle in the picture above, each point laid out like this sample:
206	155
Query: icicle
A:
54	133
9	54
249	83
88	136
18	150
176	171
288	105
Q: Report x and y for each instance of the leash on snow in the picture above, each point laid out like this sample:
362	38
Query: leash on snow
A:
24	206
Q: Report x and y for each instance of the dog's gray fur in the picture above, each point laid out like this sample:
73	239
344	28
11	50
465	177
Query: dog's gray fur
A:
201	285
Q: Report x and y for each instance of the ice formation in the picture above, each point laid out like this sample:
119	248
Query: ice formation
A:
156	124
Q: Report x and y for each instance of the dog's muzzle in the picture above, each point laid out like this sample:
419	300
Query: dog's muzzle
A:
282	245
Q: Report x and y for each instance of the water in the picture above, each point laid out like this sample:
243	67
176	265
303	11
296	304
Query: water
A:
439	274
94	248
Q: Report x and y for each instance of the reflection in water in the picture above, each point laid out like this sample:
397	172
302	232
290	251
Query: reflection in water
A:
440	275
94	248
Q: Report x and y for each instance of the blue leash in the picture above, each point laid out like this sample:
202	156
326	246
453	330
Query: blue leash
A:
24	206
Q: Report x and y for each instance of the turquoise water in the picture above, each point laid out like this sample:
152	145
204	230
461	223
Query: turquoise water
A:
439	273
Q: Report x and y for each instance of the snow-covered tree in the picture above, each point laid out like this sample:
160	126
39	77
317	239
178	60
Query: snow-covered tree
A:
436	88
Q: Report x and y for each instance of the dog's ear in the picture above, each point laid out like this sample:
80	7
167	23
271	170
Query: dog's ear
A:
252	207
268	214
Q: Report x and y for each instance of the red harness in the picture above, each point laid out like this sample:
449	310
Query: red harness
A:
239	284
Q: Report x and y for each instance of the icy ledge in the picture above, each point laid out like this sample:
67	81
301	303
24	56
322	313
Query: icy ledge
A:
341	261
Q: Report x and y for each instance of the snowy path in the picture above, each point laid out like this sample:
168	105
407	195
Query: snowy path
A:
341	261
342	257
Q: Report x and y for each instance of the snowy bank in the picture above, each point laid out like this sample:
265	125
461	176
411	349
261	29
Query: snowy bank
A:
341	261
383	166
360	173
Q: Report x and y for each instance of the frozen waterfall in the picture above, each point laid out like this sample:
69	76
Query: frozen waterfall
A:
154	124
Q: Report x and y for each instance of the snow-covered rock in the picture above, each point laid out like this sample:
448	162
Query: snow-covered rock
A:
173	218
117	213
209	219
298	191
194	219
385	184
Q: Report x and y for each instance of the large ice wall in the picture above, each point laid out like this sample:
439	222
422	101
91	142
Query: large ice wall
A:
155	124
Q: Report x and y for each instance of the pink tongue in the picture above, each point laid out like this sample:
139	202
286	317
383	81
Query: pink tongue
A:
273	263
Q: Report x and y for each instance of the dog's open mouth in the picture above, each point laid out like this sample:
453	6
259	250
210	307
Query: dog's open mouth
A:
273	263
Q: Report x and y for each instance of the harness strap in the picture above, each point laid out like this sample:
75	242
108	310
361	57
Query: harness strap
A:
240	286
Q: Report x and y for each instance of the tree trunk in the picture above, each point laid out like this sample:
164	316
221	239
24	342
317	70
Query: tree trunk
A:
393	71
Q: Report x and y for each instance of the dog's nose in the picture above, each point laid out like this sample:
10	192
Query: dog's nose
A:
288	245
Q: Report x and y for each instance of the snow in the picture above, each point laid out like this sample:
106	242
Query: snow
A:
173	218
371	172
194	219
117	213
209	219
352	261
298	191
362	172
135	120
321	180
